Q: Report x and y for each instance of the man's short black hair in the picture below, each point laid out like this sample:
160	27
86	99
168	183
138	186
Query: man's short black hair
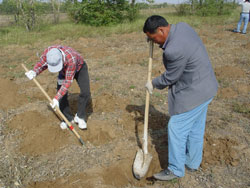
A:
153	22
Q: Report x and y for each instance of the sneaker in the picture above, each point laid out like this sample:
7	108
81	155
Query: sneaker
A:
165	175
243	33
81	123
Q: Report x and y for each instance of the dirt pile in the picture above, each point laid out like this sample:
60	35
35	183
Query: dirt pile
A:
10	98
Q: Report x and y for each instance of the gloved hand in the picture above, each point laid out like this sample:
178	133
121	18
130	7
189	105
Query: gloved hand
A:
54	103
31	74
60	82
149	87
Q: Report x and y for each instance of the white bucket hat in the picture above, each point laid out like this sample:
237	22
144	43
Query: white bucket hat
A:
54	60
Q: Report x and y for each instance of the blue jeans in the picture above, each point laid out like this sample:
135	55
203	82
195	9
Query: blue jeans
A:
185	139
243	17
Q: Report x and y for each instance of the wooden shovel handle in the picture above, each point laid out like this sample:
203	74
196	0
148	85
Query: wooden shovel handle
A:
145	137
57	110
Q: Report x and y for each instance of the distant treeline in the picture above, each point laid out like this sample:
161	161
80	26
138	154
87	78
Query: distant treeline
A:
206	7
102	12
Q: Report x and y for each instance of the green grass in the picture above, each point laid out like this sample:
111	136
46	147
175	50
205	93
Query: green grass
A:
19	35
242	108
69	30
132	87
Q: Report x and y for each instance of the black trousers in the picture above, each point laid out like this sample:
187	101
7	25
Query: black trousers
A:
82	78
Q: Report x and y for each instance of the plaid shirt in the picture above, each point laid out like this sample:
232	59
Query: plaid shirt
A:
72	63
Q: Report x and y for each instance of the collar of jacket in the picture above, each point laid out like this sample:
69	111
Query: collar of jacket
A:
172	29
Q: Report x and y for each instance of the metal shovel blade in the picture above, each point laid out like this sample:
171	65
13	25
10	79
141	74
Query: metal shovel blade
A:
141	164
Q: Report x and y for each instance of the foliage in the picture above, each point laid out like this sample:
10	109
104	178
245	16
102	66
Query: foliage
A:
205	8
11	6
148	6
27	12
183	9
101	12
8	7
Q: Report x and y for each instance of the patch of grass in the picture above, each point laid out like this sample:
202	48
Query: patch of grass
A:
4	31
223	82
156	94
19	35
97	79
243	108
144	63
226	118
70	31
14	75
132	87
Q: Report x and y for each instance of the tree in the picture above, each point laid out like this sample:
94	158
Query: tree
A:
102	12
27	10
10	7
206	7
56	4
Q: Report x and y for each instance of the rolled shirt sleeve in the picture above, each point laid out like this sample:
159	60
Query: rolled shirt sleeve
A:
42	64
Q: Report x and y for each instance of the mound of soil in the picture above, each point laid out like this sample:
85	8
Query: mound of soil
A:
10	98
40	134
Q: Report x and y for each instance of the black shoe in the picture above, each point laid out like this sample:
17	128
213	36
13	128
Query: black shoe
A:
243	33
165	175
190	169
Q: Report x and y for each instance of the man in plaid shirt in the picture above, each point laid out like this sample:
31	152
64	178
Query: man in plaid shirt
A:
70	66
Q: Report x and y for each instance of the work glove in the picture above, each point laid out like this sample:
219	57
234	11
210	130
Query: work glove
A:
149	87
31	74
60	82
54	104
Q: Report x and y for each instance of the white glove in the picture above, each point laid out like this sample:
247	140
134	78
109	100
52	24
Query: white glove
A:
31	74
60	82
149	87
54	104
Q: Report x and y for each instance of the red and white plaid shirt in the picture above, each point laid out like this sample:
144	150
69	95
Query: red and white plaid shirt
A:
72	63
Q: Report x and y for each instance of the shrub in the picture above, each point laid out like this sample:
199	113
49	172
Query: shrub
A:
183	9
101	12
205	8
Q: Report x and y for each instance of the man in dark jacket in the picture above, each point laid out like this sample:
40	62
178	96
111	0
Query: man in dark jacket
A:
191	84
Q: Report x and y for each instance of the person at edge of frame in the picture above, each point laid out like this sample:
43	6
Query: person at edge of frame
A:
69	65
244	16
191	84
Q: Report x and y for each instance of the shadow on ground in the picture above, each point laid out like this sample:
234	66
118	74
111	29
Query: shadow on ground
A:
157	130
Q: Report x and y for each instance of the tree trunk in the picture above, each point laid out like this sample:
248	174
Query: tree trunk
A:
17	12
56	10
28	15
192	6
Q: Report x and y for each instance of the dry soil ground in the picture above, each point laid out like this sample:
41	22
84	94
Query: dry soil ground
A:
36	153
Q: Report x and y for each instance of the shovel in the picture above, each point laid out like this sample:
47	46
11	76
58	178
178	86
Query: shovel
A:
57	110
143	158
